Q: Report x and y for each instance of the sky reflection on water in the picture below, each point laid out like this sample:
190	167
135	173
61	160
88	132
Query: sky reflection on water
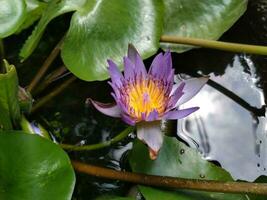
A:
225	131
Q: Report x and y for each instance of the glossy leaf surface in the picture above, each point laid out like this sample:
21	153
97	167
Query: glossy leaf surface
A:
104	30
12	15
9	104
32	167
200	19
177	160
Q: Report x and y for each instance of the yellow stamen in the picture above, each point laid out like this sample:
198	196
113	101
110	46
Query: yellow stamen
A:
146	96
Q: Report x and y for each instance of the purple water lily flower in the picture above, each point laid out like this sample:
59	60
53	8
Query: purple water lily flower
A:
144	98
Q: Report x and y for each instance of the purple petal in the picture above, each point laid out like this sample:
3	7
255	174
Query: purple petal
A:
192	87
115	74
170	78
136	59
162	66
157	66
109	109
151	134
179	114
128	68
128	119
122	106
176	95
168	60
152	116
115	89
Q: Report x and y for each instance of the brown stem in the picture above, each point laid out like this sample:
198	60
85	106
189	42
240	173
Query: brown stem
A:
52	94
45	65
56	74
171	182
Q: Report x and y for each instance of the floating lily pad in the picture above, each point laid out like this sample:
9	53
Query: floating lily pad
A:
177	160
199	19
12	15
34	9
32	167
52	10
105	31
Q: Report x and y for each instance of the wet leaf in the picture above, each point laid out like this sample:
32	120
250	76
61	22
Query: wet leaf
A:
177	160
34	9
32	167
52	10
200	19
12	15
9	105
104	32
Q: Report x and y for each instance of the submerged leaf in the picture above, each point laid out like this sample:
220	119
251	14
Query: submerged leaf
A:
33	168
175	159
199	19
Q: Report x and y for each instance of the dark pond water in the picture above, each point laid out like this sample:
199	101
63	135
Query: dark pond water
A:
223	130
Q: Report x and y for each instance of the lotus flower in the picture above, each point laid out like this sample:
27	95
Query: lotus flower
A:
144	98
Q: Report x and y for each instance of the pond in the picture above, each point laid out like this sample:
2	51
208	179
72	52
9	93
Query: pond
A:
225	130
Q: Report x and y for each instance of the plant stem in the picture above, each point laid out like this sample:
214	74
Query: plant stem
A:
53	76
116	139
25	125
52	94
45	65
226	46
171	182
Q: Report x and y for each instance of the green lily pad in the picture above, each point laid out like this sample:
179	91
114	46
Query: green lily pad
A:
12	15
34	9
105	31
53	9
175	159
199	19
9	104
32	167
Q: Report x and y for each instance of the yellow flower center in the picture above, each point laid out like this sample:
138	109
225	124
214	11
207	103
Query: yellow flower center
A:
146	96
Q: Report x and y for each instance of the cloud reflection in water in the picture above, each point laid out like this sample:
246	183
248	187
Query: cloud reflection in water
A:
225	131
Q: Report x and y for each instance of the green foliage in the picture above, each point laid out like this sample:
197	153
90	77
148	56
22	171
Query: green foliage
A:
12	15
52	10
9	105
25	100
101	30
261	179
34	9
199	19
105	30
32	167
177	160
